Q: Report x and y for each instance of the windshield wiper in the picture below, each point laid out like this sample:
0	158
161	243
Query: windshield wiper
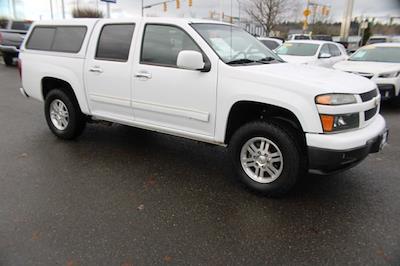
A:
241	61
267	60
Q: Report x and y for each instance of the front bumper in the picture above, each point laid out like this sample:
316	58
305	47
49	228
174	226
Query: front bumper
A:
330	153
324	161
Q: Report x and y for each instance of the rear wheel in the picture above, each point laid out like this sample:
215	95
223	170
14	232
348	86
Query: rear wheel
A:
63	115
8	59
266	157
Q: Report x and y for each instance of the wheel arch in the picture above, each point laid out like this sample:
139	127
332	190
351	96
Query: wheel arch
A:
242	112
49	83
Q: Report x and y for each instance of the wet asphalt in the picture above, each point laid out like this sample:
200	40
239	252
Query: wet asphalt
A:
125	196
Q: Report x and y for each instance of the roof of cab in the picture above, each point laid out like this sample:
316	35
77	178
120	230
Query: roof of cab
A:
319	42
386	44
91	21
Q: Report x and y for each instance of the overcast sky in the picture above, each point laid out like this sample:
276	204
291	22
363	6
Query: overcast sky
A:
36	9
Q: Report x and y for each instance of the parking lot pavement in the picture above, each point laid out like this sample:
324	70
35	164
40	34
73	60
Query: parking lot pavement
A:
124	196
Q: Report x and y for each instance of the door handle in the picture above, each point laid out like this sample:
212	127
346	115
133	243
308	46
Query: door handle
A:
143	74
96	69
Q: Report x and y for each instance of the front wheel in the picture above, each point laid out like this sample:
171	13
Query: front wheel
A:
63	115
266	157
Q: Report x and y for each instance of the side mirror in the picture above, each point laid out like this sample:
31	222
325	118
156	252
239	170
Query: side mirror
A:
325	55
191	60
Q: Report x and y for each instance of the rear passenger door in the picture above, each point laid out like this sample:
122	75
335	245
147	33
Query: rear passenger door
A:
108	70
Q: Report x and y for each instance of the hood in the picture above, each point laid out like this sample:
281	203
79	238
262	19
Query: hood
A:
310	79
297	59
367	67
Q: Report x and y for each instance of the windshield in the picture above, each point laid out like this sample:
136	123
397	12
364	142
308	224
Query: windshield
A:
301	37
377	54
376	40
235	46
298	49
322	37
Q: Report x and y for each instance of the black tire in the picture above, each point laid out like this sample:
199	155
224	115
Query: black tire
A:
76	119
8	59
289	146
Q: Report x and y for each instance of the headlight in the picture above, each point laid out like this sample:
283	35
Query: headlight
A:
334	123
390	75
335	99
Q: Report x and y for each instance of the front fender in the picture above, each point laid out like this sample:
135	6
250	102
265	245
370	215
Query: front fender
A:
232	90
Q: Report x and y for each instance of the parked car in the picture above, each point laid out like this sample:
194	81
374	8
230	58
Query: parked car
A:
378	39
271	43
383	39
322	38
317	53
11	37
379	62
352	44
208	81
297	36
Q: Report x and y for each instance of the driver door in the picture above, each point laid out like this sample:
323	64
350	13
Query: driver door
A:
166	96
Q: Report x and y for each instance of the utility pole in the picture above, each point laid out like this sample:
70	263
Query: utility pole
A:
142	8
239	6
348	14
63	9
221	13
51	9
314	14
108	10
13	10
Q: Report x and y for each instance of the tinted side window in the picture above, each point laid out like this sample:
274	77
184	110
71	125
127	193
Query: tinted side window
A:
162	44
68	39
334	50
115	42
41	38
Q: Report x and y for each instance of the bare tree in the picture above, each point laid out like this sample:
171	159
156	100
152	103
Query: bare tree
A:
268	13
86	13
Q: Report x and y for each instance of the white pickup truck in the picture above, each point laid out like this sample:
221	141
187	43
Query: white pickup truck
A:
206	81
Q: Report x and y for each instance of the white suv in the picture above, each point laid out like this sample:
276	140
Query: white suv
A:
206	81
316	53
379	62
